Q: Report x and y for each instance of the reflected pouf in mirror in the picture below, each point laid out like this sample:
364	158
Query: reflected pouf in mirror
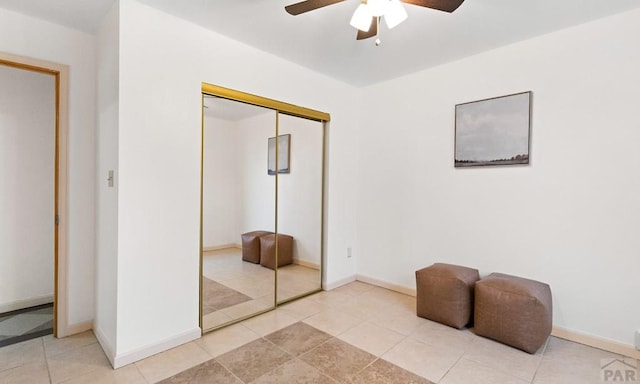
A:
251	245
268	250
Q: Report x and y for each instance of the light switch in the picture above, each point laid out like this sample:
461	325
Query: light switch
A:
110	179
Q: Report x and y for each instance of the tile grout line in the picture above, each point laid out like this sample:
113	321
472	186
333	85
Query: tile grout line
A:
368	365
451	367
298	357
148	380
369	321
376	358
268	341
395	345
46	360
205	351
227	369
544	350
139	372
331	337
464	352
500	369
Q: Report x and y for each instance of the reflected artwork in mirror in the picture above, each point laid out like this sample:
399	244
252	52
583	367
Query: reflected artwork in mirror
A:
283	148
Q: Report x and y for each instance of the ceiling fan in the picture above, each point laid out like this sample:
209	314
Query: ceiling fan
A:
367	16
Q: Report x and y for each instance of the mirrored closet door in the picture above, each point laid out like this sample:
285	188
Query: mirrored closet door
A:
262	204
300	207
237	197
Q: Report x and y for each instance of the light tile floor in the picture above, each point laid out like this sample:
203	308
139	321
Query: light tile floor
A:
380	322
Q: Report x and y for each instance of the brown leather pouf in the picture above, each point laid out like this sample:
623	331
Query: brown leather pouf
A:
444	293
268	250
251	245
514	311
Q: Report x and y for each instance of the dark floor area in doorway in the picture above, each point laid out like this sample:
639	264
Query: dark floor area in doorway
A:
26	324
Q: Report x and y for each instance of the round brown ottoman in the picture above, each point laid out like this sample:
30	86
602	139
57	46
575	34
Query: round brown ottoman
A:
513	310
444	293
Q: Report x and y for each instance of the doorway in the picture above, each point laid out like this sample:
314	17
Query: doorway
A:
33	133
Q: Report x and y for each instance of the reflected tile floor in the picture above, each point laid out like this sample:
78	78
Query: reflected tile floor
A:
26	324
357	333
250	286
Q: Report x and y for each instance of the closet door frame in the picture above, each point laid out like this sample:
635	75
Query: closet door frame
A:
279	107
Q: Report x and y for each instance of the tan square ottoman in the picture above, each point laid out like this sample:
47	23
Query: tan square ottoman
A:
444	293
514	311
268	250
251	245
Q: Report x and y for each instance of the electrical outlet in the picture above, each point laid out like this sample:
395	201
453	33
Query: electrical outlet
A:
349	254
638	339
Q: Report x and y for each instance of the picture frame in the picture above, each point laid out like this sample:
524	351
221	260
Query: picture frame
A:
493	131
284	152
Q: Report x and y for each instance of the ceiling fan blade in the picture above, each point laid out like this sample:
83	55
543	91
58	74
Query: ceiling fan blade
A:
308	5
373	30
441	5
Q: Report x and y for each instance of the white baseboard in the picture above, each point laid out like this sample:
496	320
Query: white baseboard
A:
306	263
411	291
107	347
596	342
122	359
339	283
26	303
220	247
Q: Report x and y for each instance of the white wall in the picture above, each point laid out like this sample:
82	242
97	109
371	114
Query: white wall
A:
163	61
221	189
257	190
27	36
27	162
239	196
570	218
105	324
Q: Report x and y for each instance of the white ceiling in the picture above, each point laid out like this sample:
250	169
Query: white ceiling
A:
323	40
84	15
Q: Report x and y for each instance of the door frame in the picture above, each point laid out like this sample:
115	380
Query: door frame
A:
61	75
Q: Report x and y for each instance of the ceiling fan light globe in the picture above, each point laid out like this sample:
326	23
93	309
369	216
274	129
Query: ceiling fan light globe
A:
395	14
361	18
377	8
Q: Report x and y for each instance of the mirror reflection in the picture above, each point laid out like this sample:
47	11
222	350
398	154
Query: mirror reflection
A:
238	208
300	207
262	204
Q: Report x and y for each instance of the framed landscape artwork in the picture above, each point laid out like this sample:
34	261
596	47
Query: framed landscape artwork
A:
493	131
284	150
